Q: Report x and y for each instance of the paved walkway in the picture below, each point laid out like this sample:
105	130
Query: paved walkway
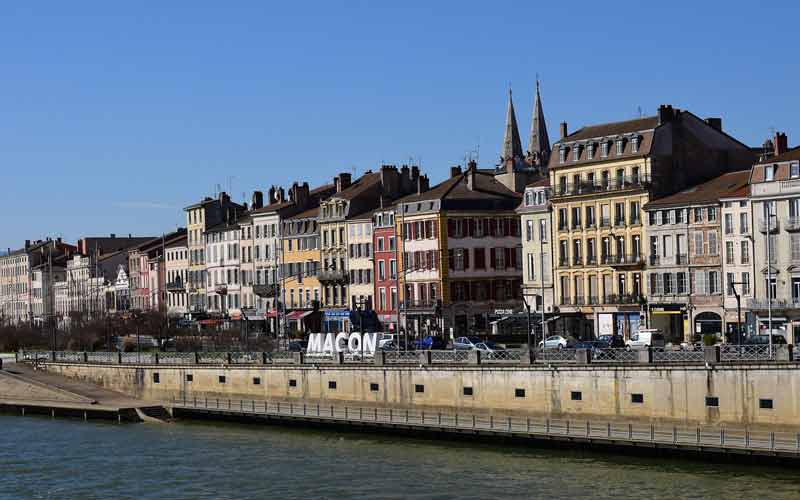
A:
20	383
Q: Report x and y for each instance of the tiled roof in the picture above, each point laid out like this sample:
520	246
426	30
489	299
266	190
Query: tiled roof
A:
792	154
308	214
612	129
540	183
456	188
723	186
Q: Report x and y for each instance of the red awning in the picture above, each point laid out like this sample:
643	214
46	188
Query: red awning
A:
295	315
271	314
209	321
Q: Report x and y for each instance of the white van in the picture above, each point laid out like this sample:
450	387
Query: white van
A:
646	337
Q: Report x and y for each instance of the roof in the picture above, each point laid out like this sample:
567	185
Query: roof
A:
223	226
456	188
540	183
612	129
308	214
318	193
364	182
792	154
726	185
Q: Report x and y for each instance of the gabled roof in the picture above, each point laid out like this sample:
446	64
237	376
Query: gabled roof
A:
363	183
457	190
612	129
724	186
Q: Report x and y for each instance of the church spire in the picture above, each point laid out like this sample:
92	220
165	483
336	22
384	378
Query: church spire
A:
512	145
539	145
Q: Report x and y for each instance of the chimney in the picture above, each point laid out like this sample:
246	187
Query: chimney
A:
423	184
27	243
271	195
666	114
258	200
345	179
280	195
223	197
391	183
781	143
455	171
113	236
414	173
563	130
715	123
472	166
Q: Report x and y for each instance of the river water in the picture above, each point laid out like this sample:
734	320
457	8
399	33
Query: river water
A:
43	458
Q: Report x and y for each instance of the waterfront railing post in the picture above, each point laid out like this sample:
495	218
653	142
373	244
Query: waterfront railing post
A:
196	358
119	358
155	358
85	357
582	356
645	356
711	354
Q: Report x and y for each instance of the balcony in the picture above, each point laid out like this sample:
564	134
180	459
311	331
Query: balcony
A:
775	226
591	224
266	291
619	222
631	260
577	261
792	224
565	301
580	301
623	299
672	260
617	184
333	276
176	287
591	260
420	305
221	289
605	222
563	263
763	305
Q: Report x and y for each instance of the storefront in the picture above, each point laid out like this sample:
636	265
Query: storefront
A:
388	322
708	323
336	320
621	324
672	320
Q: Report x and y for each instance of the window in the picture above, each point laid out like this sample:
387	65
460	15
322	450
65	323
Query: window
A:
531	267
681	283
419	388
156	378
794	170
765	404
189	378
331	384
635	144
744	252
769	172
637	398
256	380
771	286
519	393
698	243
729	252
221	379
604	149
713	282
745	283
698	215
562	219
712	401
712	243
562	154
374	387
729	279
467	391
543	230
743	226
728	224
634	213
620	146
712	214
292	382
576	396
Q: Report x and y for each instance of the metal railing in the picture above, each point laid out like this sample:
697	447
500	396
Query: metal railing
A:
615	184
615	355
724	353
792	223
731	352
713	439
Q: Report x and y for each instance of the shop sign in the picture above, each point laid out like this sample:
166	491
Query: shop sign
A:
337	313
503	312
320	343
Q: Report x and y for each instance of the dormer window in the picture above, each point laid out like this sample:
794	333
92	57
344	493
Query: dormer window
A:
635	144
620	146
576	152
794	169
540	197
528	198
604	149
590	151
562	154
769	172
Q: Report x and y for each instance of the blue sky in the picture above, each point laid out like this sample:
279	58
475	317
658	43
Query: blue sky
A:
114	116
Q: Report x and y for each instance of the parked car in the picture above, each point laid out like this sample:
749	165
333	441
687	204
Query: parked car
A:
430	342
648	337
595	346
764	340
556	342
298	345
466	343
612	341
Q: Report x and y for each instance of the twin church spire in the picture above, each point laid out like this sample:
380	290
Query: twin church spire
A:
539	143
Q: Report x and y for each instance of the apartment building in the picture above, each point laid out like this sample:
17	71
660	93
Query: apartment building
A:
685	255
462	266
351	200
177	271
775	200
223	260
537	251
300	290
738	264
207	213
386	295
360	265
601	177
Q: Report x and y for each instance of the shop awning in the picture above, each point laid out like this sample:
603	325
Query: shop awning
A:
296	315
271	314
210	322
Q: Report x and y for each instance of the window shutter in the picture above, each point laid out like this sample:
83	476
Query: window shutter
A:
513	252
451	228
467	290
490	284
472	227
506	227
452	292
492	226
451	259
466	258
508	253
492	259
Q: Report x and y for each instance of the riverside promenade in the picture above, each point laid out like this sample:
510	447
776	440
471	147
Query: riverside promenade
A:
25	389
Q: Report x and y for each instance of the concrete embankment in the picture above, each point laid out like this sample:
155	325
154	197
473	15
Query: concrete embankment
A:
25	391
765	395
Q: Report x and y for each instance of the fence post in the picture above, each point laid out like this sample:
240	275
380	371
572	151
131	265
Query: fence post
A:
526	358
155	358
380	358
582	356
297	358
228	358
474	357
119	358
644	356
338	358
264	358
85	357
711	354
784	353
196	358
426	357
53	356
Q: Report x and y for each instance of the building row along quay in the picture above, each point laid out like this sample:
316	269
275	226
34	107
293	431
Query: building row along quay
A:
663	221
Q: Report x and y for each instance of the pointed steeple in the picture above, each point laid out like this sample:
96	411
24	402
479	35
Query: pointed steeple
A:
512	144
539	145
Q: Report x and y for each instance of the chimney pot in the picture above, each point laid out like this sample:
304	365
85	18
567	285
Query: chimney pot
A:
258	200
113	236
781	143
715	123
563	130
666	114
455	171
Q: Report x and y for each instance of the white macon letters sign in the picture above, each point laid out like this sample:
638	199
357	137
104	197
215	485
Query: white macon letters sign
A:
341	342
